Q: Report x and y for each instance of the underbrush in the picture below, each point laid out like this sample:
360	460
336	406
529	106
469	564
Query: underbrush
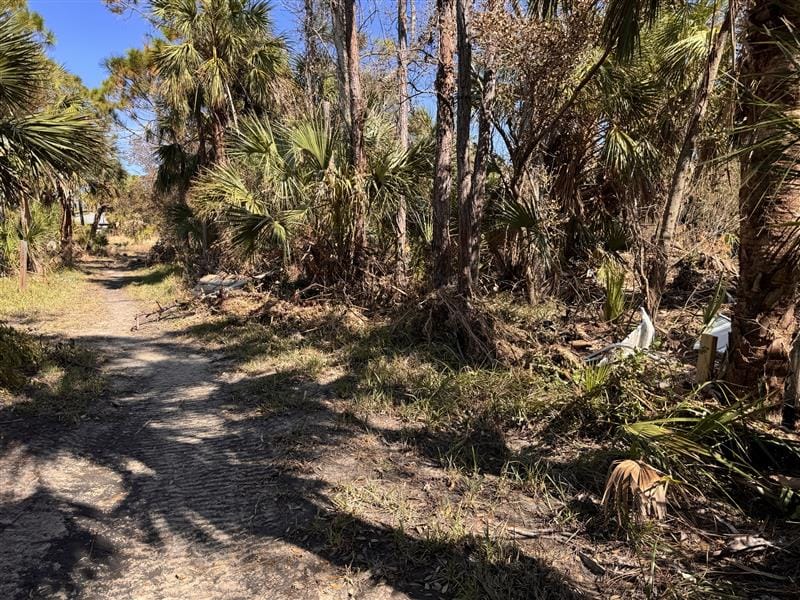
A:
545	426
42	377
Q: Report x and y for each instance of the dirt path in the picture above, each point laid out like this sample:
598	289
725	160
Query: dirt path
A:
169	490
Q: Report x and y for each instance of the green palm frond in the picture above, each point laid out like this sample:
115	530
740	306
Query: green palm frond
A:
67	141
224	186
22	68
711	446
624	21
313	140
681	58
518	214
253	232
255	140
38	145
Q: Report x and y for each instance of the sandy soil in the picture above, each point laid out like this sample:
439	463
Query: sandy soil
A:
178	485
165	491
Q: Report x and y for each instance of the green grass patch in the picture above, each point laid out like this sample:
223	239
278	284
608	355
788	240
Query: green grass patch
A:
162	284
384	368
47	296
41	377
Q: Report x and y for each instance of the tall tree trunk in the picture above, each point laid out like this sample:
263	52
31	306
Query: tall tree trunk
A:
463	166
443	177
477	198
357	158
98	216
66	229
412	32
311	63
340	43
684	169
765	318
401	245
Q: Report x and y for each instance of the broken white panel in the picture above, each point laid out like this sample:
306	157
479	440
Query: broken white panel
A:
720	328
640	338
213	283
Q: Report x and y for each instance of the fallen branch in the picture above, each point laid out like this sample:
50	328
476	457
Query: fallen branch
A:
159	313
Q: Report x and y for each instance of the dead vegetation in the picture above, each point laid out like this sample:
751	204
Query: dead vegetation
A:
505	453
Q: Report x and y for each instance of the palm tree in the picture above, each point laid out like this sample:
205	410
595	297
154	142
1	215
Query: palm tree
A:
765	318
41	144
218	58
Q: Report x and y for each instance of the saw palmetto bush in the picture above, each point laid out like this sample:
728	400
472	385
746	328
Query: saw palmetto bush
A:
723	451
41	233
287	182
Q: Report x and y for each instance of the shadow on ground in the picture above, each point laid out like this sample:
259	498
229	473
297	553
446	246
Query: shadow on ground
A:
193	461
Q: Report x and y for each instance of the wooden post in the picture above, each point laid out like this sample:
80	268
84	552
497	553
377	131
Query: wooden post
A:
23	264
706	357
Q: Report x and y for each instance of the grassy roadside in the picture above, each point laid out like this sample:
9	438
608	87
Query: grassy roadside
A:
44	373
526	448
159	284
45	376
48	298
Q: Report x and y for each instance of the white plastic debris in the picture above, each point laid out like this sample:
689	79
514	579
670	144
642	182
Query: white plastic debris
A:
640	339
720	328
213	283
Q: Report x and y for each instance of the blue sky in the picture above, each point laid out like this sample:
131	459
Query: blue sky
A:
87	33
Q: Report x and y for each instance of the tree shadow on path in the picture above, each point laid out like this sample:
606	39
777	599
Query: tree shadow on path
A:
183	483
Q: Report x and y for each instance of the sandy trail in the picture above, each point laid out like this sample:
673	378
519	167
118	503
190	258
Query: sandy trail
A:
168	490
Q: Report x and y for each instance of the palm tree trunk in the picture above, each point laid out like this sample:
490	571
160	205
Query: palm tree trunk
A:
401	244
682	176
463	166
765	319
443	178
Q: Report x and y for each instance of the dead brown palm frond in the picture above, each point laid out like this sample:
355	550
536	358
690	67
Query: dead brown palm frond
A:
635	487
